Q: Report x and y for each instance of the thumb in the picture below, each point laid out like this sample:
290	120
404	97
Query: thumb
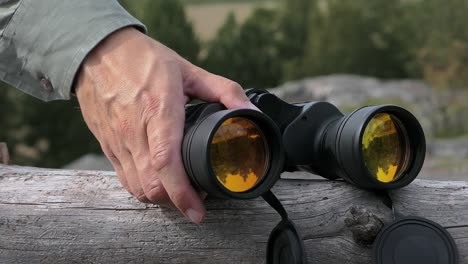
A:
214	88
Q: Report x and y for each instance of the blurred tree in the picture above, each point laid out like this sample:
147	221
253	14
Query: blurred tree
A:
439	41
223	55
7	114
439	44
167	22
41	134
260	58
247	53
48	134
294	23
356	37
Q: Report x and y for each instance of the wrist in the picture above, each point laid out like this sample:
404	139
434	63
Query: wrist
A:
104	50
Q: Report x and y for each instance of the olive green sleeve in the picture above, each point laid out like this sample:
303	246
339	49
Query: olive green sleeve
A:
43	42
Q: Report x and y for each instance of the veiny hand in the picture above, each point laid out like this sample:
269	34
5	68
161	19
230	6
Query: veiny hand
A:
132	91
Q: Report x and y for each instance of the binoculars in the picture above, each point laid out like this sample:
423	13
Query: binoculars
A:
240	154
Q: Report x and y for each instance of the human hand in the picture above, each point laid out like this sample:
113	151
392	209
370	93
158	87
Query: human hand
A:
132	92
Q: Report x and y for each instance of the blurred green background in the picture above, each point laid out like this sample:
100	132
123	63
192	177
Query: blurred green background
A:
264	44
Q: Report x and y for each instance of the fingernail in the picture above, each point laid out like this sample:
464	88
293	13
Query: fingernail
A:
194	216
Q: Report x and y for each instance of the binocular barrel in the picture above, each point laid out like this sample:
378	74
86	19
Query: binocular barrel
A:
241	153
374	147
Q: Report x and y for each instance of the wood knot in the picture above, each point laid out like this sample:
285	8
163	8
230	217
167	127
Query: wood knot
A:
364	225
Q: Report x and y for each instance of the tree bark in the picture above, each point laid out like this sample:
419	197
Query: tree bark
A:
65	216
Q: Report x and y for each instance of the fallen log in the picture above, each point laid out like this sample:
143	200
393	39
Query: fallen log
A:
66	216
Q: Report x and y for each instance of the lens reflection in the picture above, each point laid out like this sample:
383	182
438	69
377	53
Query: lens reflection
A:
385	148
239	154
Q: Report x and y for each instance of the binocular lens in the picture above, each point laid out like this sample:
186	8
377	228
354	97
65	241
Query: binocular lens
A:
239	154
385	147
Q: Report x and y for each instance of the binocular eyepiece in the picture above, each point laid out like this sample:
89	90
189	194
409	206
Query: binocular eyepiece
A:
241	153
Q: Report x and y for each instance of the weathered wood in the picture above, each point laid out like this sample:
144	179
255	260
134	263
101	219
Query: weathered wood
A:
4	155
63	216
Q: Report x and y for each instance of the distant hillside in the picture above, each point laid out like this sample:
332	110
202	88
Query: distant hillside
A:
208	15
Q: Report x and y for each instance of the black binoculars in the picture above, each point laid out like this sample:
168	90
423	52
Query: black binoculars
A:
241	153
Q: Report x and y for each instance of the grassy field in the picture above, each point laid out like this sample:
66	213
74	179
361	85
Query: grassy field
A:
208	15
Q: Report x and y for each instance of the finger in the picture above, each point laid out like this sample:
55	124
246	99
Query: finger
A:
118	169
150	183
124	168
165	145
165	132
115	163
214	88
131	175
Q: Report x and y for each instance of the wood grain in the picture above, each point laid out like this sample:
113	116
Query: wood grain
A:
65	216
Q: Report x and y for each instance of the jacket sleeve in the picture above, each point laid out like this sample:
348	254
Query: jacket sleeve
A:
42	43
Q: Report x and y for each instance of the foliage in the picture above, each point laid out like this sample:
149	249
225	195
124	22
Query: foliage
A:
222	52
246	53
166	21
294	25
438	40
356	37
44	134
5	108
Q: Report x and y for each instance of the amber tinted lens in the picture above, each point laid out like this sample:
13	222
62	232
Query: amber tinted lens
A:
385	147
239	154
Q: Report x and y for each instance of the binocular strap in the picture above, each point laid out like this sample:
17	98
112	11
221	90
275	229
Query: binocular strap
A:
406	240
284	244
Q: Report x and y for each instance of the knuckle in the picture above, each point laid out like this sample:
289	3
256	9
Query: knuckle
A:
127	129
161	156
112	157
155	192
152	107
106	148
234	87
138	193
141	197
122	178
233	92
